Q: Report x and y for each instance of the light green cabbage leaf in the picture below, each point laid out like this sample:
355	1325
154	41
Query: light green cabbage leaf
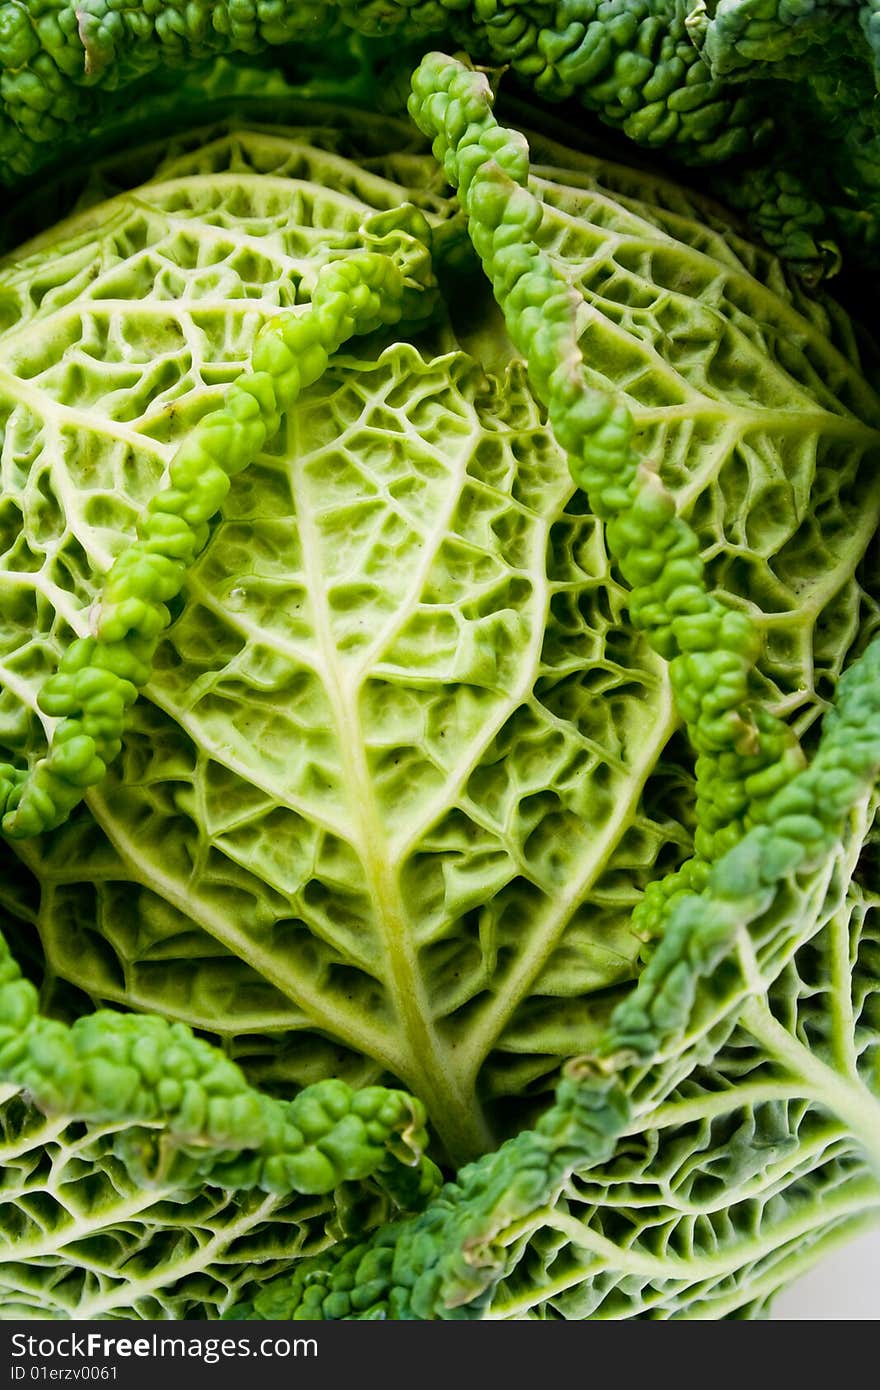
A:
404	768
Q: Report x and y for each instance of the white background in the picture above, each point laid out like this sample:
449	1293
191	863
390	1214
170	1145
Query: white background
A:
844	1286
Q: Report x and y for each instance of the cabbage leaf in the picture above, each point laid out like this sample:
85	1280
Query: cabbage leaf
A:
404	767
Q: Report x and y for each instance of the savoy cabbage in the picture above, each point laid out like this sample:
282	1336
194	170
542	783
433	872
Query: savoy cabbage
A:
417	914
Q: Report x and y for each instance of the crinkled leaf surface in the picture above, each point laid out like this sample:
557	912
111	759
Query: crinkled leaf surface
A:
737	1177
82	1239
404	768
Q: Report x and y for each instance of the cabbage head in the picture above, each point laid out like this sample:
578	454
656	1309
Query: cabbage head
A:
412	956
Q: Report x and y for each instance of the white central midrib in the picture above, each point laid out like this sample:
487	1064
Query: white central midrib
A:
427	1067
